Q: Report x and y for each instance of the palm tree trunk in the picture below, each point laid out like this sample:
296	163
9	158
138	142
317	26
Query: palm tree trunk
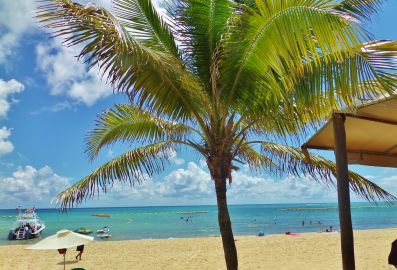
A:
225	226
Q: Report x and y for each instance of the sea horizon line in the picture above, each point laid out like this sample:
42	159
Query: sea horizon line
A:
191	205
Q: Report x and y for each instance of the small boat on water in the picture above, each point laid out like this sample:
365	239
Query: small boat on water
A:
84	231
103	230
27	226
103	233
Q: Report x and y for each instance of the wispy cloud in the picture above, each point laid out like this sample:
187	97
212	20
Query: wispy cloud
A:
8	165
57	107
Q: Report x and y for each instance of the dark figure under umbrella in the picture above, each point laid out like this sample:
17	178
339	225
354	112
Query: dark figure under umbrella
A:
80	249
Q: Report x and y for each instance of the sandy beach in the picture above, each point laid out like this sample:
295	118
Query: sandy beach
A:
319	251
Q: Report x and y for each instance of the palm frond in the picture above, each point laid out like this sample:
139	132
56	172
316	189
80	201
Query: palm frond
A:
262	48
294	161
369	73
278	121
130	124
143	21
134	165
319	88
359	9
155	79
200	25
255	160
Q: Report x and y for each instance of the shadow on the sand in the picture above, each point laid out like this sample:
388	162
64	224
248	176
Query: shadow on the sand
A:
68	262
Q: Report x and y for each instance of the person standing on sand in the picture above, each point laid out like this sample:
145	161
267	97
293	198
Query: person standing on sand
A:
80	249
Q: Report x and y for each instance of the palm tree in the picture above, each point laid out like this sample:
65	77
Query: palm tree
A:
229	79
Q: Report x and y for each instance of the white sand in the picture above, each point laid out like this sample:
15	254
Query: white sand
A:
317	251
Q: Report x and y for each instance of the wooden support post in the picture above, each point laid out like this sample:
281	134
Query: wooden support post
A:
345	220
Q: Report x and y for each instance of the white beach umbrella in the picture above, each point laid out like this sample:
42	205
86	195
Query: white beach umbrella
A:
62	239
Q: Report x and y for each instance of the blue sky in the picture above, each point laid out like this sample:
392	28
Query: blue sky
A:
48	101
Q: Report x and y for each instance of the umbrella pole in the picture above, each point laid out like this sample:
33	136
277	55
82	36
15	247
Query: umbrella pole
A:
342	171
64	262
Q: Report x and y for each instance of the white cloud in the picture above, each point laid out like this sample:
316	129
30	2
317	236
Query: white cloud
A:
179	186
173	157
16	18
5	145
62	71
247	189
189	183
69	77
7	90
28	186
194	185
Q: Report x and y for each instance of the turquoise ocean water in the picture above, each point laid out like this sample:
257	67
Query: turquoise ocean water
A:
165	222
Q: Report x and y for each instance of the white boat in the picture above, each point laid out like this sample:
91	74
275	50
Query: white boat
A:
103	233
103	230
27	226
